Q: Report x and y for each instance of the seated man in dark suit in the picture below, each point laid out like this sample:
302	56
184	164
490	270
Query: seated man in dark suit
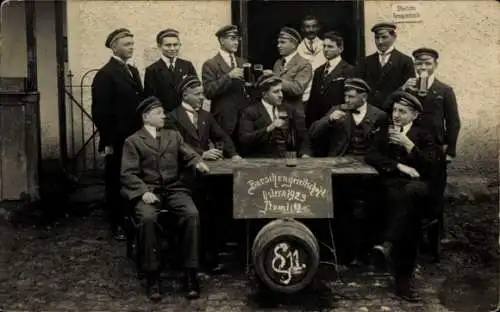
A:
269	128
150	179
407	157
348	130
200	130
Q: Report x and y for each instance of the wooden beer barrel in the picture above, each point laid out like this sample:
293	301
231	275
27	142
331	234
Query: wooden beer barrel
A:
285	255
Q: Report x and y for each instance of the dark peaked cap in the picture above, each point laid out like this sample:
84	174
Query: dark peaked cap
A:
188	82
425	51
267	79
407	99
290	33
169	32
227	30
383	26
117	34
358	84
148	104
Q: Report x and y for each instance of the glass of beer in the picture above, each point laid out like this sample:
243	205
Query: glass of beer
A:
257	71
422	83
247	73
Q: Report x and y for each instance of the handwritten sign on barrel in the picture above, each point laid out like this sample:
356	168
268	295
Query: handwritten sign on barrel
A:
280	192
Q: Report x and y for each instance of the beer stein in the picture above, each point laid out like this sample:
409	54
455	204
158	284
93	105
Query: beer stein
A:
422	83
257	71
247	73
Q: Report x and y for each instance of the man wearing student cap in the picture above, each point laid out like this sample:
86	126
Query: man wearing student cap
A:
294	70
349	129
200	130
150	177
223	83
406	156
162	77
116	92
440	111
386	70
266	125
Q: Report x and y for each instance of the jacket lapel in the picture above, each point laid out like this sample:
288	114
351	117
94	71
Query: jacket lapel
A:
202	124
263	113
120	67
222	64
167	75
334	74
149	140
186	122
387	67
291	64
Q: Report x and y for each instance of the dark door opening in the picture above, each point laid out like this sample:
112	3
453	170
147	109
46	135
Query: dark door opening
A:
261	21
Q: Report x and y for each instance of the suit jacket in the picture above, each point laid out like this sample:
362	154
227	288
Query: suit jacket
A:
115	97
208	131
336	135
162	82
149	164
258	143
327	91
440	115
227	95
387	79
425	156
296	76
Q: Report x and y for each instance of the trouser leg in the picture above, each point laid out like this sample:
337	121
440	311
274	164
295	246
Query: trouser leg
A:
188	227
114	201
148	242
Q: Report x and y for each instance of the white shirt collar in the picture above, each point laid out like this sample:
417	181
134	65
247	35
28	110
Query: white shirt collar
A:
188	107
128	62
227	56
391	48
289	57
167	60
334	62
269	108
152	130
358	118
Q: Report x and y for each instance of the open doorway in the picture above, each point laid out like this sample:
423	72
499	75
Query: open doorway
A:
260	22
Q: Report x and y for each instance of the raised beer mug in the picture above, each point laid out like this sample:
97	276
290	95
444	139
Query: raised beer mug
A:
422	83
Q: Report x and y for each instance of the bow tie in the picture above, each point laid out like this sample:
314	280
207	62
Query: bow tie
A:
356	112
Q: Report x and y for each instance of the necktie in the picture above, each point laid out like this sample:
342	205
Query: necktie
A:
327	69
127	68
283	63
383	58
233	63
311	46
195	119
171	64
274	113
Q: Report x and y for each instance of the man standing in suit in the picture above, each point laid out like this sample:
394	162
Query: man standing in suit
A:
223	83
440	114
311	48
328	80
386	70
162	77
200	130
406	156
294	70
267	125
150	179
116	92
349	130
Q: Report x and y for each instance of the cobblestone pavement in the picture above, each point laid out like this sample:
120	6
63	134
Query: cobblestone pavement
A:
73	266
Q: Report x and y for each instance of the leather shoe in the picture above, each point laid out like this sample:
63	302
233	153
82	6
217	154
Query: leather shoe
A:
405	289
191	284
382	254
154	289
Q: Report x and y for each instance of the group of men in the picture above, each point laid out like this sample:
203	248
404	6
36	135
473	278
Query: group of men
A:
329	108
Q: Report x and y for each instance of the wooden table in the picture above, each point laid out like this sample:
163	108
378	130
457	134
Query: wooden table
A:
337	165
